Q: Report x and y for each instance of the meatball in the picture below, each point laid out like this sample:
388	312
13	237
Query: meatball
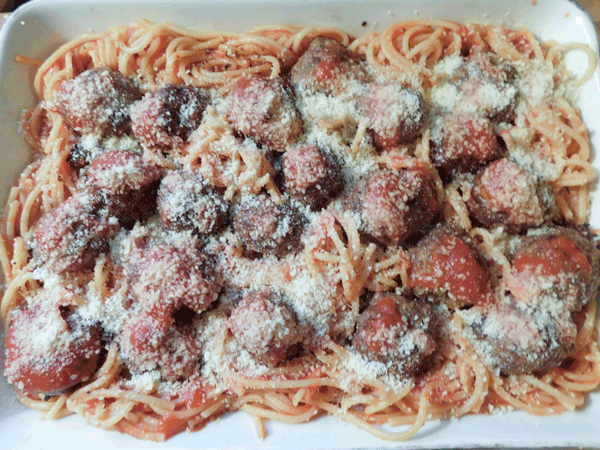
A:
312	175
166	118
481	85
444	264
396	113
392	205
512	341
166	277
264	109
47	354
82	153
491	84
125	180
327	66
119	172
265	327
267	228
506	194
151	343
462	142
397	332
532	326
187	202
97	101
555	270
70	237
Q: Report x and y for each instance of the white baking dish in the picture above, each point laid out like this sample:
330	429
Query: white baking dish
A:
41	26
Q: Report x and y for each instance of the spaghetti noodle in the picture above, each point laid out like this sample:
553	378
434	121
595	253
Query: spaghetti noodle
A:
308	350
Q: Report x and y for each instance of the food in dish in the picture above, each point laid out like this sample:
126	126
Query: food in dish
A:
293	222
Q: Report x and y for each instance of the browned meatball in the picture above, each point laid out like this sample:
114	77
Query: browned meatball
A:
265	327
150	343
555	270
327	66
268	228
67	354
532	326
70	237
506	194
396	113
392	205
443	263
264	109
312	175
125	181
165	119
488	85
97	101
512	340
462	142
187	202
397	332
166	277
119	172
82	154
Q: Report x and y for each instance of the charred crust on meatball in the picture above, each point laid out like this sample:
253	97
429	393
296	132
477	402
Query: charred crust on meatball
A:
97	101
510	342
396	113
265	326
267	228
446	265
70	237
326	66
127	184
166	118
187	202
505	193
389	206
312	175
264	109
462	142
398	332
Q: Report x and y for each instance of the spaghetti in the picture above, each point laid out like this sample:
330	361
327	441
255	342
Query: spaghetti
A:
294	324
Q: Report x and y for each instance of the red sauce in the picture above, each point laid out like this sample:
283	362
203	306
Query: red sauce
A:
143	331
387	307
522	43
60	370
554	256
386	317
326	70
195	395
442	387
469	39
170	425
400	162
450	265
